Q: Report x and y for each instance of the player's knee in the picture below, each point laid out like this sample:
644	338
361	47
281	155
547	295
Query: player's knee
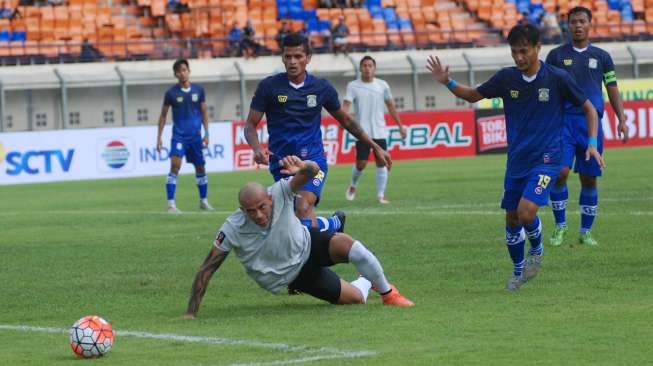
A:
360	164
200	169
587	181
526	216
562	177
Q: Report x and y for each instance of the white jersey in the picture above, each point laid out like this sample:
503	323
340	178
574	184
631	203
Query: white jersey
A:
272	256
369	99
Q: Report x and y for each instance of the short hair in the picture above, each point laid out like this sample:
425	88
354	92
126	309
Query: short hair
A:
178	63
295	40
367	57
524	33
580	9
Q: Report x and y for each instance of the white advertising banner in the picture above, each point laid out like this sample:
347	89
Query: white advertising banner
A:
100	153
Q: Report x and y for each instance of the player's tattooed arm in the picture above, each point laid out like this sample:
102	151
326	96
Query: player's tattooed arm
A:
211	264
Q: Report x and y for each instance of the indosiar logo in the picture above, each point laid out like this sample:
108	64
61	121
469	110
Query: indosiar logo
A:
115	154
35	162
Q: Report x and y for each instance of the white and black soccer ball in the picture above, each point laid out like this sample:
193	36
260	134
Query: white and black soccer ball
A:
91	337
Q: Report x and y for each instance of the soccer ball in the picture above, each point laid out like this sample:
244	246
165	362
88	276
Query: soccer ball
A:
91	337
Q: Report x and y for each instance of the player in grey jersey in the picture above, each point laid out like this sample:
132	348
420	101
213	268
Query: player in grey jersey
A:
277	251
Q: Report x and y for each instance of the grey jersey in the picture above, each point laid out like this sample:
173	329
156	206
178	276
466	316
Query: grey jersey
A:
272	256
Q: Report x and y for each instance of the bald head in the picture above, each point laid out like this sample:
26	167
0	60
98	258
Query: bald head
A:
251	190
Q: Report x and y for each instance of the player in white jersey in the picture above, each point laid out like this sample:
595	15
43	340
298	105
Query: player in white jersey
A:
278	251
371	96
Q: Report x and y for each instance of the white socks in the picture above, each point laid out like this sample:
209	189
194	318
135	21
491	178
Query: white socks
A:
171	203
355	174
363	285
367	265
381	181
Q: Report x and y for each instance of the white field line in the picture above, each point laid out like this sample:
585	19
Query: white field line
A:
321	353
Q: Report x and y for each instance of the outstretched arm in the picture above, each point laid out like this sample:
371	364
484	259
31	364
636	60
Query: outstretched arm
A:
303	171
348	123
211	264
441	74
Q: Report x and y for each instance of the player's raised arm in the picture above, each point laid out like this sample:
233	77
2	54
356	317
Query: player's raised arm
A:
349	123
303	171
592	132
261	155
162	122
440	73
211	264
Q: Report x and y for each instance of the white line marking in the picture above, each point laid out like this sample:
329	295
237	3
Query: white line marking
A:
323	353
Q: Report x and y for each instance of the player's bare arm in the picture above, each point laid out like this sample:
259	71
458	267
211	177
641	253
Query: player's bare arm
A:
349	123
303	171
211	264
346	105
261	155
618	108
162	122
392	110
205	123
593	129
441	74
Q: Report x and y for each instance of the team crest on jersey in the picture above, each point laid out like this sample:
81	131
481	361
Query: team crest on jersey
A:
318	178
282	98
538	190
514	94
195	97
567	61
311	100
180	99
593	63
543	94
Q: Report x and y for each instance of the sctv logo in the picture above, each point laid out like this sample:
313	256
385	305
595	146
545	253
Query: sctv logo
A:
35	162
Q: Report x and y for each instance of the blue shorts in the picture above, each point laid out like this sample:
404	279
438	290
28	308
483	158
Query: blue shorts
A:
534	187
192	151
314	185
575	145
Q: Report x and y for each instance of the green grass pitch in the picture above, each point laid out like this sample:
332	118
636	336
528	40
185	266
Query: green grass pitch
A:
108	248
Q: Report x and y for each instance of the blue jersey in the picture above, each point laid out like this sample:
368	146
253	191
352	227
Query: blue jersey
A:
589	68
293	115
534	114
186	112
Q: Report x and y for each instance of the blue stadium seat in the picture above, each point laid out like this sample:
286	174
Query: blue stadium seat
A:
283	12
310	14
389	14
392	24
4	35
370	3
405	24
376	12
297	3
19	36
324	25
313	25
296	13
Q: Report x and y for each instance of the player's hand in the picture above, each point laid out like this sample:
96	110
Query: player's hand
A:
291	164
439	71
205	140
622	131
383	156
159	144
592	152
262	156
403	132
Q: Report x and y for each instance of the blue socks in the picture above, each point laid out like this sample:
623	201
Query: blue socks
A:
515	238
171	186
331	224
589	199
559	197
534	233
202	184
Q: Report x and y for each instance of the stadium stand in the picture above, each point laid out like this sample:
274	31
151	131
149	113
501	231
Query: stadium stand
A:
89	30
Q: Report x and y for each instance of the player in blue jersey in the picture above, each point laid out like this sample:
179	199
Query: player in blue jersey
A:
534	95
292	103
591	67
188	115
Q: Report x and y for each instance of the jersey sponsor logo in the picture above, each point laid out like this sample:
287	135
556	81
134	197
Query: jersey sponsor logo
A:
311	100
282	98
514	94
318	178
180	99
543	94
567	62
195	97
593	63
